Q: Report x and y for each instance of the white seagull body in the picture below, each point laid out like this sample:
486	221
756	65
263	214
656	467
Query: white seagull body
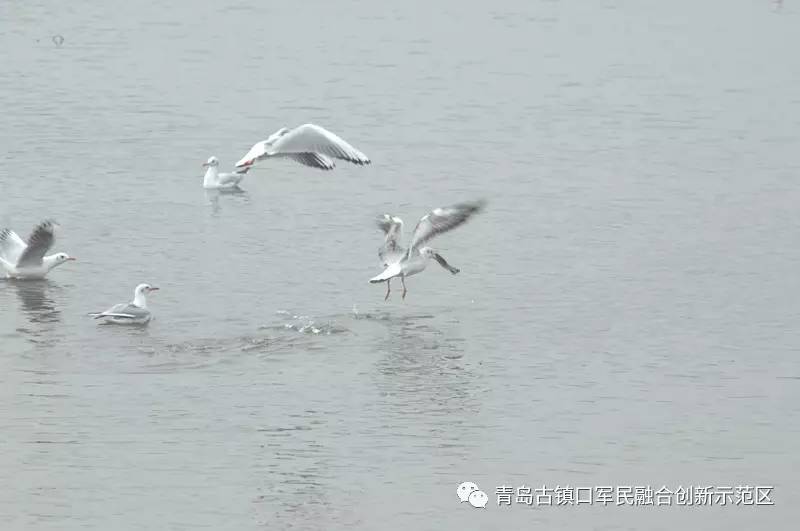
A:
399	262
214	180
309	144
130	313
22	260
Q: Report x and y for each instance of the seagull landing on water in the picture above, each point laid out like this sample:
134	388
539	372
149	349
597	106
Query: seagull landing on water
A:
23	260
214	180
403	263
309	144
130	313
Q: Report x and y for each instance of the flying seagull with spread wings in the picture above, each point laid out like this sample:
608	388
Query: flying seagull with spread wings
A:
400	262
309	144
27	260
130	313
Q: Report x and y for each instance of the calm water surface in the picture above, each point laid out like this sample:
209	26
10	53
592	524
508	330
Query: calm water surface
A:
627	311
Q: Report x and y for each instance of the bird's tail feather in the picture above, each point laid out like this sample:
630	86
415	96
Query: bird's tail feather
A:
390	272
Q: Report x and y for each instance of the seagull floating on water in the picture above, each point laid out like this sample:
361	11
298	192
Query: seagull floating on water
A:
130	313
309	144
400	262
23	260
214	180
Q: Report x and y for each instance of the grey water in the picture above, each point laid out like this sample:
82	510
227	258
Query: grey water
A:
626	313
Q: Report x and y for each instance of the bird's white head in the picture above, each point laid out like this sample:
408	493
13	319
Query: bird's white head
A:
140	292
56	260
212	162
145	288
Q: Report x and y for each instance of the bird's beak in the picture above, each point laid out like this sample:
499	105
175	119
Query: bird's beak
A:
205	164
71	259
245	163
154	288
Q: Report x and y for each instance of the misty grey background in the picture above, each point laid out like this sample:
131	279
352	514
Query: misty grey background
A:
626	313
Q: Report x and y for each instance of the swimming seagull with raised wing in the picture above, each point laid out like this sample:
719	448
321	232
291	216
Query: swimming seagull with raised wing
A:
214	180
309	144
130	313
399	262
27	260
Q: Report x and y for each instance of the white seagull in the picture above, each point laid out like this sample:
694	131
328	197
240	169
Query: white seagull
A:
309	144
214	180
130	313
27	260
403	263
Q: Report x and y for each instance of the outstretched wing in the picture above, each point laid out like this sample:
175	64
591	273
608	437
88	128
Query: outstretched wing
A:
310	138
11	246
442	262
276	135
315	160
256	153
259	151
441	220
39	242
392	227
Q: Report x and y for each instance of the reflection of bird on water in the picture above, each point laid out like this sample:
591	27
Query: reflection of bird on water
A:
35	301
423	363
213	198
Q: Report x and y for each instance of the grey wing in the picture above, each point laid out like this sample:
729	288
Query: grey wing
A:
276	135
116	309
260	150
387	221
442	262
315	160
232	178
441	220
11	246
124	310
392	227
310	138
39	243
135	311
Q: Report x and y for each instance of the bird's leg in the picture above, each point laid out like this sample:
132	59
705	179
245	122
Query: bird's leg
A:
403	280
388	289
